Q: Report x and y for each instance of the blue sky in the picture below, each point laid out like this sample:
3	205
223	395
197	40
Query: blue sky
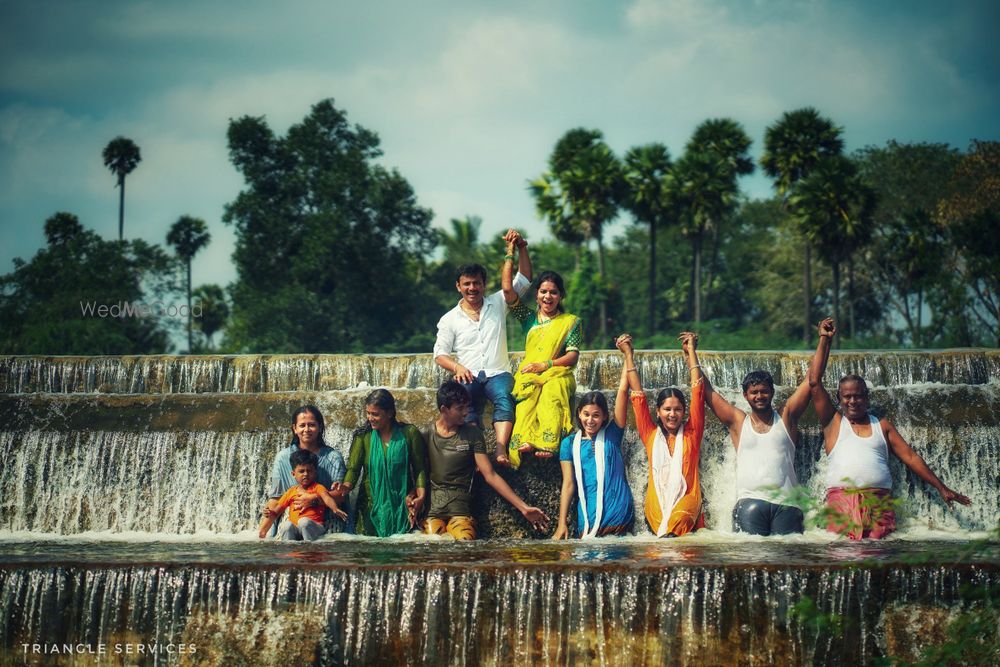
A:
468	98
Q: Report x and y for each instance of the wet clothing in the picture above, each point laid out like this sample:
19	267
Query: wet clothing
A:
543	399
857	462
608	494
314	512
330	469
860	513
452	468
391	471
684	514
304	529
459	527
765	471
760	517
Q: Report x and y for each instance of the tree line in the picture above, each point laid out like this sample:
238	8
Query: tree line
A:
334	253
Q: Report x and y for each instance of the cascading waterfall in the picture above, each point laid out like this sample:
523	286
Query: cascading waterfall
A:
130	488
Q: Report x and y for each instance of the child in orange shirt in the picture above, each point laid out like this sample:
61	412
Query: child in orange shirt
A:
305	523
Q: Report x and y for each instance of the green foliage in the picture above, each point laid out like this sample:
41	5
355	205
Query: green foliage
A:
214	312
324	240
795	144
43	301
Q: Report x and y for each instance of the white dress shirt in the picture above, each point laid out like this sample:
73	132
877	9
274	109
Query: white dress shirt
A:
482	345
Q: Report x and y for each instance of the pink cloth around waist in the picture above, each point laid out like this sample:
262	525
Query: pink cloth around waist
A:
860	513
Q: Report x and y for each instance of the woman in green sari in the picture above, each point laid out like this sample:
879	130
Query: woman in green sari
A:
544	384
392	457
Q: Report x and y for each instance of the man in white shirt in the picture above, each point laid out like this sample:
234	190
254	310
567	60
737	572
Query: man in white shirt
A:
475	331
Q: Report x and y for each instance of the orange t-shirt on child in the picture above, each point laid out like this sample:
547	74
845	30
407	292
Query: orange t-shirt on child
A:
315	512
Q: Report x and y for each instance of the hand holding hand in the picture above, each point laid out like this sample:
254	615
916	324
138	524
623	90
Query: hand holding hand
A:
827	328
950	496
536	518
624	343
689	341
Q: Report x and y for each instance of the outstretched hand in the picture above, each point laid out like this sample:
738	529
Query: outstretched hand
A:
536	518
827	328
950	496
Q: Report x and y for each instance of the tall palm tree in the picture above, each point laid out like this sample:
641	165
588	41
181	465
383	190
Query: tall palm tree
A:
834	208
793	146
188	235
121	156
581	191
725	141
648	197
214	310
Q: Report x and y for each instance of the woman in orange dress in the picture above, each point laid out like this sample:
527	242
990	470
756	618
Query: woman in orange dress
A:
673	444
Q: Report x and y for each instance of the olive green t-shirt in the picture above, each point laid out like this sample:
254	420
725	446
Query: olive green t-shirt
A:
453	465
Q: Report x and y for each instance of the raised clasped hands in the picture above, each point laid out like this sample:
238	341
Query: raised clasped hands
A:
513	239
689	341
624	343
827	328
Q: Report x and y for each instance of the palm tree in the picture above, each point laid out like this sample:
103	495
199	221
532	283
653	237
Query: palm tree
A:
648	197
462	244
550	206
188	235
581	191
793	146
121	156
706	190
834	208
214	311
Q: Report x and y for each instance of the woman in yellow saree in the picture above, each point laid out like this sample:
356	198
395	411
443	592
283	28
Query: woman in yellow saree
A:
544	384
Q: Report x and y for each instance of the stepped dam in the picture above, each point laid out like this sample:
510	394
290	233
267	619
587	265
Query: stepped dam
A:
131	490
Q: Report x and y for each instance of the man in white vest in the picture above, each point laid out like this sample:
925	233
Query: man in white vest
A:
765	442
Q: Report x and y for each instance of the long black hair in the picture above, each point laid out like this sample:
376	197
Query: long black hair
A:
314	411
665	393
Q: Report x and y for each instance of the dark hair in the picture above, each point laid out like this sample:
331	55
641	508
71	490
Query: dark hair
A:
556	279
471	270
452	393
383	400
851	377
758	377
303	457
312	409
665	393
592	398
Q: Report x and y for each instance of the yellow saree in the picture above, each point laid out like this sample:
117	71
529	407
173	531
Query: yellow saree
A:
542	413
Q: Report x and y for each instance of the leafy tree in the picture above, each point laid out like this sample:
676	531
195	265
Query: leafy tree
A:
913	249
325	240
971	211
52	304
834	208
706	185
648	198
579	194
214	311
793	146
187	236
121	156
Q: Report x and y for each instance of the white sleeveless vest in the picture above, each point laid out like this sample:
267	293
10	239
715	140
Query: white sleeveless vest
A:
765	461
857	462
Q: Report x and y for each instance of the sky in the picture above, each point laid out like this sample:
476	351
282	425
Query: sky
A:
468	98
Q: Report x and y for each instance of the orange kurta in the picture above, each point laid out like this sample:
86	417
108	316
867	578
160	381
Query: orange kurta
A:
686	515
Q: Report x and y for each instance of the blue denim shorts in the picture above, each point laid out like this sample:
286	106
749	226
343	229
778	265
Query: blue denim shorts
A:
497	390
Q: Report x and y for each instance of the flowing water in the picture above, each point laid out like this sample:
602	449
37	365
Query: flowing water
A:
131	488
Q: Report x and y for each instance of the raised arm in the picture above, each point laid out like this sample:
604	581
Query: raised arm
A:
696	411
624	343
916	463
814	380
523	258
507	271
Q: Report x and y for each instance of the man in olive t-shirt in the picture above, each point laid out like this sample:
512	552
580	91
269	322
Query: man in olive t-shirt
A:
456	450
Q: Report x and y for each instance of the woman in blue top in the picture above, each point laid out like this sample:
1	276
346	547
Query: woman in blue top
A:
592	463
